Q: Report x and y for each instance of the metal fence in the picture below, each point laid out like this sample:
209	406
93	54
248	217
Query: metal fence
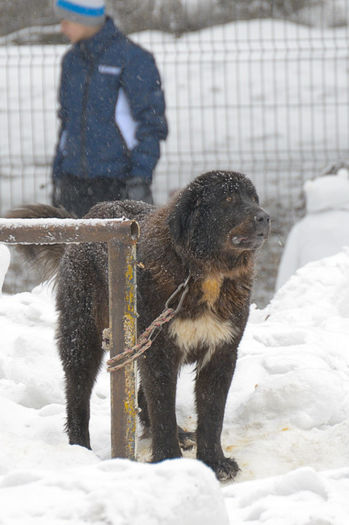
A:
268	97
121	238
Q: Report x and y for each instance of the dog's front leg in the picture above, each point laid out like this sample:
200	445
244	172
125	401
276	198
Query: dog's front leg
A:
212	386
159	369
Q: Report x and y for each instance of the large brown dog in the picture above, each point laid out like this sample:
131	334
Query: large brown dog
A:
210	232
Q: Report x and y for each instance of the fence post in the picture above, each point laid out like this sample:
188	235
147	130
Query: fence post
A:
123	333
121	237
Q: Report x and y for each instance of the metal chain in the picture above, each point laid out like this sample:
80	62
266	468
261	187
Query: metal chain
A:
146	339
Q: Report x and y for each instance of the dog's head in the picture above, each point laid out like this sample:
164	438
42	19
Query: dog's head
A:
218	213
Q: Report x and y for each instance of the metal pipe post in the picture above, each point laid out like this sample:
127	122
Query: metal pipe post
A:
123	334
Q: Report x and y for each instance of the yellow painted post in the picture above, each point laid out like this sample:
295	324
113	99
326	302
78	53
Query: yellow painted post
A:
123	334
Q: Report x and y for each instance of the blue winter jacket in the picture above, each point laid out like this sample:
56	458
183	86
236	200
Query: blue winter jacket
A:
111	109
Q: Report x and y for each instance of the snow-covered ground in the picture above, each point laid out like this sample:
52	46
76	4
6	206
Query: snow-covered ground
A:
287	423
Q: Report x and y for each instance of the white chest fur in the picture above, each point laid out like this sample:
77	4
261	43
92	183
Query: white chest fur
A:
206	332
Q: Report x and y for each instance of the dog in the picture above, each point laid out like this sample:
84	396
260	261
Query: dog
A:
208	234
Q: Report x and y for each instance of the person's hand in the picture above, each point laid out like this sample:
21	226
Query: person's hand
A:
138	189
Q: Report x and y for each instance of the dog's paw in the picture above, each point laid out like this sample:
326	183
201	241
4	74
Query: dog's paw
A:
225	469
187	440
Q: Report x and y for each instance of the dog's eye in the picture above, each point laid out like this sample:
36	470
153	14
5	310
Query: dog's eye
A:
254	198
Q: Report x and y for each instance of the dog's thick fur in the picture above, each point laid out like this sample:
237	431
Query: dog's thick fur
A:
209	231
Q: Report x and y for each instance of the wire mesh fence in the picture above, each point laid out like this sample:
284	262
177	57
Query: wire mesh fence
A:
264	95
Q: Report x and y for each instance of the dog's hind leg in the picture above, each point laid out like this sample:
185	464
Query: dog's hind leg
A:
80	347
81	355
186	439
212	386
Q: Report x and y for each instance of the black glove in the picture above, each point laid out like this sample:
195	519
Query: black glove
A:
138	189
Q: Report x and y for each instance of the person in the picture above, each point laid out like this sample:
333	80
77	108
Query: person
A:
112	112
324	230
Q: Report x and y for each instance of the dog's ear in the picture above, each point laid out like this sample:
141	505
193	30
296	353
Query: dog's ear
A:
181	217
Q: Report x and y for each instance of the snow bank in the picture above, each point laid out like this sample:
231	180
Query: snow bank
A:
118	492
36	461
286	423
289	401
324	231
328	192
302	496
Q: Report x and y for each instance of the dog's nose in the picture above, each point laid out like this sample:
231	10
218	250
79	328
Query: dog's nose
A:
262	217
262	220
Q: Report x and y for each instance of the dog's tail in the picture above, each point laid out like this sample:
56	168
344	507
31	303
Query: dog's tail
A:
45	257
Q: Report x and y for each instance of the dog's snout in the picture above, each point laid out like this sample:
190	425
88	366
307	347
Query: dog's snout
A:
262	218
262	223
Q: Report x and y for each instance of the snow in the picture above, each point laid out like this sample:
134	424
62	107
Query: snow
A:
49	222
328	192
301	497
324	230
286	422
116	492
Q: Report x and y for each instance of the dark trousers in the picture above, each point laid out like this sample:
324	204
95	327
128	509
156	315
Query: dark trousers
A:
77	195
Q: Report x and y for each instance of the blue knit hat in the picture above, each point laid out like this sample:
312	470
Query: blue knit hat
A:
86	12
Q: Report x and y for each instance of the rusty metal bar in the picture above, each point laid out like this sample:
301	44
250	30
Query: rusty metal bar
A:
121	236
59	231
122	333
